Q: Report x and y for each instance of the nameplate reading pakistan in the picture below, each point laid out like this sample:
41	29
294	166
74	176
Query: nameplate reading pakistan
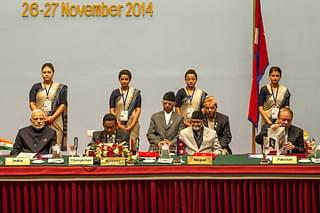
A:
80	160
115	161
17	161
200	160
284	160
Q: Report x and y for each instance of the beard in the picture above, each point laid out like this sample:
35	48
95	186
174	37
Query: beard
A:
38	127
196	128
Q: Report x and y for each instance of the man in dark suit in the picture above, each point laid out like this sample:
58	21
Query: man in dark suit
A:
165	125
36	138
110	134
218	122
295	143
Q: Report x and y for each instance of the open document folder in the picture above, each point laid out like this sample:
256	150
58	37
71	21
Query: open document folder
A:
277	139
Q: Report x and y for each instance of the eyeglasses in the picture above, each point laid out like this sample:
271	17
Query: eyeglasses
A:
288	120
196	121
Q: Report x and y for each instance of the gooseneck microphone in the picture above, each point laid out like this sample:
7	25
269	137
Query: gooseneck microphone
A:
75	143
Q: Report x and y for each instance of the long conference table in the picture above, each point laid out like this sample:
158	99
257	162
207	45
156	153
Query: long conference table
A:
233	183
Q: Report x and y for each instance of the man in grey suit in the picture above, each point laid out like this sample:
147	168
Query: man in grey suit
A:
218	122
165	125
110	134
199	138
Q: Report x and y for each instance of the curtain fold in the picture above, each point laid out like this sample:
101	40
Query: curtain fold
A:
161	196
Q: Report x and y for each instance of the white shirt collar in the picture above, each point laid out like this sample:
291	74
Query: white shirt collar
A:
167	116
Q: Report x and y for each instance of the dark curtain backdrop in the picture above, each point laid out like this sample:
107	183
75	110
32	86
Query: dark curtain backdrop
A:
162	196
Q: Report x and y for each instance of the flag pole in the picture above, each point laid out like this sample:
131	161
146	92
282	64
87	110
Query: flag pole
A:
253	129
253	141
260	62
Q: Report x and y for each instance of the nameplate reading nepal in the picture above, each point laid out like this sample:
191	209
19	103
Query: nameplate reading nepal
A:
199	160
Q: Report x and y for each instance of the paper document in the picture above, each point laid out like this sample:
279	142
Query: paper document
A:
277	138
26	155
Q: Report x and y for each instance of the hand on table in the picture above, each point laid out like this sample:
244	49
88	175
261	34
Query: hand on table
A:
163	142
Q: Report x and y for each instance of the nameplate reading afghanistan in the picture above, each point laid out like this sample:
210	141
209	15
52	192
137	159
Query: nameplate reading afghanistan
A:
199	160
115	161
17	162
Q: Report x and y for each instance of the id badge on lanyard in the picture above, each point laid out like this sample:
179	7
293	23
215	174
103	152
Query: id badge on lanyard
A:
124	115
190	109
274	112
47	105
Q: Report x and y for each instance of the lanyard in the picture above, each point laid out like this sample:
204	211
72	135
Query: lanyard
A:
47	91
274	97
190	96
124	99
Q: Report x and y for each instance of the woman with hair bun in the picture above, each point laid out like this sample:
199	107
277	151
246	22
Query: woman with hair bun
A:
51	97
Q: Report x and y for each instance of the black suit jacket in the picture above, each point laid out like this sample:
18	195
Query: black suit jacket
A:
295	136
120	137
222	127
31	140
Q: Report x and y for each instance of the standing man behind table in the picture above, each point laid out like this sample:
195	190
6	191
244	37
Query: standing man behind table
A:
218	122
36	138
165	125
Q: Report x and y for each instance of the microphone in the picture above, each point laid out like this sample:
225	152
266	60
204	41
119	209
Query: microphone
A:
75	143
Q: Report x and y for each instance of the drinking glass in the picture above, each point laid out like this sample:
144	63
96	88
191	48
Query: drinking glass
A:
72	150
56	151
265	147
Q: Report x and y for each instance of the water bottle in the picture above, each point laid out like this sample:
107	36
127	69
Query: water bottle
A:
317	152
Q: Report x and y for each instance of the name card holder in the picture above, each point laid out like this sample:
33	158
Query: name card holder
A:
81	161
284	160
17	161
199	160
113	161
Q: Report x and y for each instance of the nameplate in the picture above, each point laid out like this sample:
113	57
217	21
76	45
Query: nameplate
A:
199	160
284	160
114	161
17	161
80	160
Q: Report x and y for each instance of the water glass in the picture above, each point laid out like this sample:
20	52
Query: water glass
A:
72	150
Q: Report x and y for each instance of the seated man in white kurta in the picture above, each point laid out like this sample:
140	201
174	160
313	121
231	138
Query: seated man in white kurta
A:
199	138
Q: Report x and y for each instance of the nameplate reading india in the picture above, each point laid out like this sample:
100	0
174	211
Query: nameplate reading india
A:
80	160
284	160
17	161
199	160
115	161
